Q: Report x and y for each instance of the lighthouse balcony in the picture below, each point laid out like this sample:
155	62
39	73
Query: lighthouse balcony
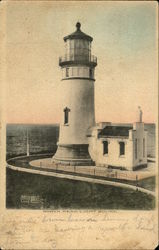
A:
78	59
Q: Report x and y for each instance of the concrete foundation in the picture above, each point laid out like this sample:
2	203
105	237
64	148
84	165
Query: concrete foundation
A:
140	166
73	154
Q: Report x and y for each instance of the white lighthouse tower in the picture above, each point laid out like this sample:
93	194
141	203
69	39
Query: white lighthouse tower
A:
77	99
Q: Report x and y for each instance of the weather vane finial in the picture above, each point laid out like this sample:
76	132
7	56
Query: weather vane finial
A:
78	25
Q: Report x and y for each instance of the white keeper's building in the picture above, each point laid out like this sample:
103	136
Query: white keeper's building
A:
119	146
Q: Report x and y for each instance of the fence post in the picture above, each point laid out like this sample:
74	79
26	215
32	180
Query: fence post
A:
136	183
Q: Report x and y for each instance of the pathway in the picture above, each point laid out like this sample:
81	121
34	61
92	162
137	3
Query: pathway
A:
81	178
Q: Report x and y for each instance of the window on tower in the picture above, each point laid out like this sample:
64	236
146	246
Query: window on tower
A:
66	115
67	72
91	73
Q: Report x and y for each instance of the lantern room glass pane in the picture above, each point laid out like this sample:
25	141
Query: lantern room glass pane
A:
78	49
67	72
71	44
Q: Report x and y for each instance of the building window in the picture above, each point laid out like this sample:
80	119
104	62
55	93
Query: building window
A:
105	147
135	148
122	148
67	72
66	115
144	147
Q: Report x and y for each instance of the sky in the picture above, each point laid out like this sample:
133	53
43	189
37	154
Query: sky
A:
124	41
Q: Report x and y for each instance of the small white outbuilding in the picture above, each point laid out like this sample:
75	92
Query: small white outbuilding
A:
119	146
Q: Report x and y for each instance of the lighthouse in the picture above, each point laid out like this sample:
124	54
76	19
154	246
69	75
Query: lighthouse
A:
77	99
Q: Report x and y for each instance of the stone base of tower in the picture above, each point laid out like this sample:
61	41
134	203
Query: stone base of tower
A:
73	154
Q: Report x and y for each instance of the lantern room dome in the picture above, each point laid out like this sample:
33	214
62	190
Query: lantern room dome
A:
78	34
